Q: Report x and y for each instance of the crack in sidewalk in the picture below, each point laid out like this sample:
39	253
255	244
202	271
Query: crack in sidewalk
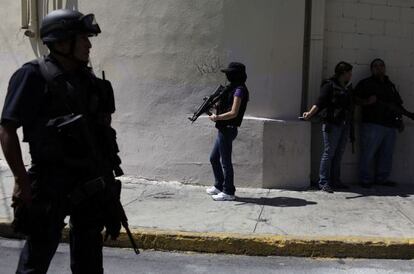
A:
259	219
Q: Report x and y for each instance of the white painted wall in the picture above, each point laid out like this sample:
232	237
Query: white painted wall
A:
358	31
163	56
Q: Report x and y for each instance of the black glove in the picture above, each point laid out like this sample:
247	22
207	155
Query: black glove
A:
112	229
21	222
113	216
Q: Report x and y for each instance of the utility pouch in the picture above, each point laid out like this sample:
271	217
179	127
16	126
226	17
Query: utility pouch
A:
86	191
106	94
65	140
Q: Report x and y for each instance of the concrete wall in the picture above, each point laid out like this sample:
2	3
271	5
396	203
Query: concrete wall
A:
163	56
286	154
358	31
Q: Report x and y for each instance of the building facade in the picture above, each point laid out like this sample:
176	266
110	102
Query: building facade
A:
164	56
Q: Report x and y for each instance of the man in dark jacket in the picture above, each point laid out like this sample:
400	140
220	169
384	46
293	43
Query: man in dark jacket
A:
382	112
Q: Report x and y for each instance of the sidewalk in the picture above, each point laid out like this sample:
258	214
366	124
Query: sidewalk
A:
374	223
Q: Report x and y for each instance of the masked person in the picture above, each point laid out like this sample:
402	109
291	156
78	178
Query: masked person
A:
65	112
382	112
229	116
335	106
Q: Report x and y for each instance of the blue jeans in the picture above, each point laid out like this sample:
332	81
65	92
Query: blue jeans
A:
334	139
377	147
220	160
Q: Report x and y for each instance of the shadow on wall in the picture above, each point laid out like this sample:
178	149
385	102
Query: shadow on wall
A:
44	7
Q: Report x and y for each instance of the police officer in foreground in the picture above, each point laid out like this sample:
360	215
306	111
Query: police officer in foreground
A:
65	112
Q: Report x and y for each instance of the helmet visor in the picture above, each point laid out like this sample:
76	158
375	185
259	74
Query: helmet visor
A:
90	25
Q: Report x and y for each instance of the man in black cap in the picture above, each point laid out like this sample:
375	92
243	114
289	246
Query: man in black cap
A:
65	112
229	116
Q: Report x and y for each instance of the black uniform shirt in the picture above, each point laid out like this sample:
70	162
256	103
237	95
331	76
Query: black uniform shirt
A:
26	101
379	113
24	98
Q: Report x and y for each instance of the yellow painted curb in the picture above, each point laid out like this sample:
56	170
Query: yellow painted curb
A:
260	245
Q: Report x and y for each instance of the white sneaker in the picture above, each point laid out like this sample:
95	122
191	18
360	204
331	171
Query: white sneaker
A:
212	191
223	197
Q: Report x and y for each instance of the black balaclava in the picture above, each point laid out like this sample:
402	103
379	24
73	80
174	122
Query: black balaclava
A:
236	77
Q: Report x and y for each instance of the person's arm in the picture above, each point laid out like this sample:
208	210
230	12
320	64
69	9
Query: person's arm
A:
12	152
403	111
322	102
309	114
22	103
397	105
230	114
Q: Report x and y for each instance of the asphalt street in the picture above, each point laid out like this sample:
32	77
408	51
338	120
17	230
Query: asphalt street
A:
124	261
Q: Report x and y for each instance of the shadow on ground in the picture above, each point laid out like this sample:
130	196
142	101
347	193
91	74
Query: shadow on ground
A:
275	201
403	191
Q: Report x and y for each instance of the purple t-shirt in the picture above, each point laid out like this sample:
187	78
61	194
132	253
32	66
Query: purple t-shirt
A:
239	93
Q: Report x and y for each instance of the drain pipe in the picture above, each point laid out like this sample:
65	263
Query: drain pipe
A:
306	56
25	14
32	25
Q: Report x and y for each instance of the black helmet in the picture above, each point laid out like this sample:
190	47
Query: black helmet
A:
63	24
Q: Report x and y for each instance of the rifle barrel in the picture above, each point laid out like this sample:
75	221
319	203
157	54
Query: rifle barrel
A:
131	238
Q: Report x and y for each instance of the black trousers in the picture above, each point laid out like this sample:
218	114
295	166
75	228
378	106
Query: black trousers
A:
85	250
86	224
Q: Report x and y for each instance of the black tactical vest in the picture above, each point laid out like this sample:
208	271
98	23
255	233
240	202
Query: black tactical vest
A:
226	104
341	108
73	126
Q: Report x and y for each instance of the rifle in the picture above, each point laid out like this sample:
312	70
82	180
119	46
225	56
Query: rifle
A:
208	103
112	150
396	108
124	221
